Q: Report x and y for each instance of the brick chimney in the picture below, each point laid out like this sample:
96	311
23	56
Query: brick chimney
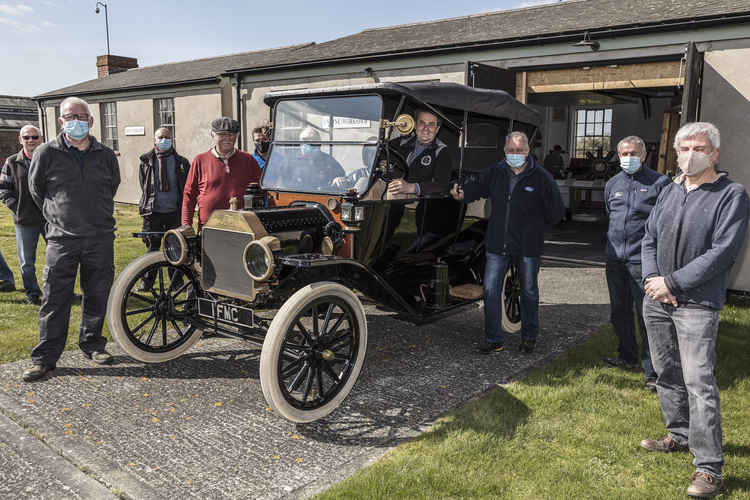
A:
109	65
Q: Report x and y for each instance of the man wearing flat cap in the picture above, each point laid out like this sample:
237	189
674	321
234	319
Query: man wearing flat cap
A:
218	174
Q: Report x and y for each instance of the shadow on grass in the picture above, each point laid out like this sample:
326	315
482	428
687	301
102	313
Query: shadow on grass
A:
733	483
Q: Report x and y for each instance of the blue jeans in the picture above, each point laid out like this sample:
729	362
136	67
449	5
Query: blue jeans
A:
683	350
625	291
27	239
494	272
5	273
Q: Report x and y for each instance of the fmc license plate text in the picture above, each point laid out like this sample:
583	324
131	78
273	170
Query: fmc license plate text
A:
226	313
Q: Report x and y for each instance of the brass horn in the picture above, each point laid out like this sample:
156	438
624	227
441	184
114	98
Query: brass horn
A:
404	124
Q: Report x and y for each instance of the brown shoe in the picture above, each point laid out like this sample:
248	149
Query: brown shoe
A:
704	485
665	444
100	357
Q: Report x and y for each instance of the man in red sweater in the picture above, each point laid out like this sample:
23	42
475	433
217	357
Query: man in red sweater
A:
218	174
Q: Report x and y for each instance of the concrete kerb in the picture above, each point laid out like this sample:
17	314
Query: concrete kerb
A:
71	459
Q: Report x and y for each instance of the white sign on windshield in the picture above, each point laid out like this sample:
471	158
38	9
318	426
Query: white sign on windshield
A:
345	122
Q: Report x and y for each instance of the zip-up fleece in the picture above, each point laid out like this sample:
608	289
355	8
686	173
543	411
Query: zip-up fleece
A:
693	238
628	201
14	191
431	168
148	182
75	190
517	221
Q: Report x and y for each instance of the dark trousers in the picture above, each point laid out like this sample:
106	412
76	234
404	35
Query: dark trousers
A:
95	256
625	294
160	222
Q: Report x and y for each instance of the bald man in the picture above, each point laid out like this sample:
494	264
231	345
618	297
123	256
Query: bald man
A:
14	193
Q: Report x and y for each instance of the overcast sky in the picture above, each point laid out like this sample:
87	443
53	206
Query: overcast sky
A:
49	44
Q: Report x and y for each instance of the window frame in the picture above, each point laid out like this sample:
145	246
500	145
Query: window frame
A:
108	111
598	134
159	114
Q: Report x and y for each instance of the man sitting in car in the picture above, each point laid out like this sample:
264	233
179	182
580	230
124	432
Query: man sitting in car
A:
314	168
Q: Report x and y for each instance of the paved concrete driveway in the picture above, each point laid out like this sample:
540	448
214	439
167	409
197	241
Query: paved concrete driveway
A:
200	427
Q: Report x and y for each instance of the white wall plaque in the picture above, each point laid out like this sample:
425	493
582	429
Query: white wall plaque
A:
135	130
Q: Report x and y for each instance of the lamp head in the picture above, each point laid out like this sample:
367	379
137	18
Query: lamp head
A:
96	11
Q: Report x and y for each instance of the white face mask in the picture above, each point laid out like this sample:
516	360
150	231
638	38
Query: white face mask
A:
693	162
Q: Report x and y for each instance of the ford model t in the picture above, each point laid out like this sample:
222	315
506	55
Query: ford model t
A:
286	266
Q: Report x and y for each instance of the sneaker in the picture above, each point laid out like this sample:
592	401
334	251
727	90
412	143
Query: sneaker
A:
527	346
618	362
36	372
665	444
33	300
7	286
487	347
651	384
100	357
704	485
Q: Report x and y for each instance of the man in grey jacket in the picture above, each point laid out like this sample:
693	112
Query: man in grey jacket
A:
73	179
693	237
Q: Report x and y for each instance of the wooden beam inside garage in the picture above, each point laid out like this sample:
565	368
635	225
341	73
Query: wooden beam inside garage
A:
626	76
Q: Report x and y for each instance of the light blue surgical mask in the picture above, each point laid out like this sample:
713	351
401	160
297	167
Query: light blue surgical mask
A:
309	148
515	160
76	129
630	164
164	144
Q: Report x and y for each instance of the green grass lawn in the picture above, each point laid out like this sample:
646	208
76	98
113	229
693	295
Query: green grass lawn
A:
569	430
19	322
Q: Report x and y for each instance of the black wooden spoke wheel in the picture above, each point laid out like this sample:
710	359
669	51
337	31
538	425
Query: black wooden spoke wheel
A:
151	308
511	300
313	351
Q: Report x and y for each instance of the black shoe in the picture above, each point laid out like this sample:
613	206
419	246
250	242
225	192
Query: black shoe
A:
100	357
651	384
527	346
486	347
36	372
33	300
7	286
618	362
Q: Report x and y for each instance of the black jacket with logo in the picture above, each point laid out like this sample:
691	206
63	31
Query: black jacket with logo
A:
14	191
431	169
75	189
148	183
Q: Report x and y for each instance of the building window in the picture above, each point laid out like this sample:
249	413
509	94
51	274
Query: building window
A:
164	114
109	125
593	131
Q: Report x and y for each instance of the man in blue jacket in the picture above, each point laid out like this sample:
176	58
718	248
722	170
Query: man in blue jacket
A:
693	237
629	197
524	198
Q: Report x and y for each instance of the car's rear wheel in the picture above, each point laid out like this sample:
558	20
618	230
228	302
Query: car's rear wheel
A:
511	300
313	351
151	308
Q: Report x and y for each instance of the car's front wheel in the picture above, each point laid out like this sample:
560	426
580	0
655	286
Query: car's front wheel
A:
313	352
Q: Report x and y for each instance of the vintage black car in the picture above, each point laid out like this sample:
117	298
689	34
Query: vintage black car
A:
286	266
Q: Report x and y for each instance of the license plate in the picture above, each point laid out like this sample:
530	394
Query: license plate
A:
226	313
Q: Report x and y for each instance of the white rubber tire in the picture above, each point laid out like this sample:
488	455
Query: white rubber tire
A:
508	325
269	357
114	314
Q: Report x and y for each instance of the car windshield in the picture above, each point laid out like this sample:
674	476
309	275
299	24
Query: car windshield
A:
324	145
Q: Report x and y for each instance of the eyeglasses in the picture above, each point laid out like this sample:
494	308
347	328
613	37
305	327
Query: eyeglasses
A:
422	124
29	137
83	118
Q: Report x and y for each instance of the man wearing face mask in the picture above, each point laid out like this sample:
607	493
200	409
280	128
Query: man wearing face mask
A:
73	179
218	175
316	170
693	237
162	174
629	197
524	198
262	145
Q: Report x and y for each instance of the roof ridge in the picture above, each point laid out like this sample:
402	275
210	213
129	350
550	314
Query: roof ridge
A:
548	4
15	96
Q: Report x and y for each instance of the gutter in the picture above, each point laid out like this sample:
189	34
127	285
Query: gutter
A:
238	92
514	42
42	119
43	97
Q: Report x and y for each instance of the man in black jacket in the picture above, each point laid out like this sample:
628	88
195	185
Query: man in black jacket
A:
524	197
14	193
162	175
73	179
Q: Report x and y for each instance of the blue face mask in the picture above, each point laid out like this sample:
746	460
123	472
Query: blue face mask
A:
309	148
164	144
630	164
76	129
515	160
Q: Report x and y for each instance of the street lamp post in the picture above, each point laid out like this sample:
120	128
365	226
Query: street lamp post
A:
106	20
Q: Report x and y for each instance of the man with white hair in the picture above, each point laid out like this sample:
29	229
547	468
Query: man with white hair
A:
73	179
28	221
524	197
693	237
629	197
